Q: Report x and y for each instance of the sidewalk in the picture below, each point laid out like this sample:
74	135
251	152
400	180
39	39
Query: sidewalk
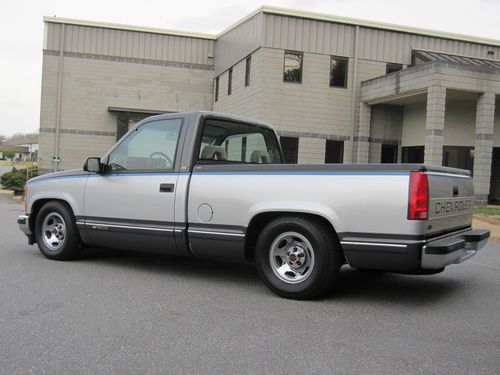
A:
483	222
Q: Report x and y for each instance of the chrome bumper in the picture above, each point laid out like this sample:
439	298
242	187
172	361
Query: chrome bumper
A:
24	224
453	249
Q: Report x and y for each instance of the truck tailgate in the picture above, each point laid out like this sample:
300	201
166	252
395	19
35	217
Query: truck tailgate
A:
451	200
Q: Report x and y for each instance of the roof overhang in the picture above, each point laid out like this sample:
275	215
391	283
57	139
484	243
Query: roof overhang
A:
117	26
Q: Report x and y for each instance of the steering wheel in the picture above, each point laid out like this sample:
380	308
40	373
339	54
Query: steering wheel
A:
161	154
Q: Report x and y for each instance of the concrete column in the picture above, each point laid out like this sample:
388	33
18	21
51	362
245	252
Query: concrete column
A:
362	139
485	122
434	125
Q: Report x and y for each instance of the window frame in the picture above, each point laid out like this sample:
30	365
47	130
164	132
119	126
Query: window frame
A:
199	140
346	79
216	96
248	66
296	152
389	146
301	68
393	65
175	161
341	153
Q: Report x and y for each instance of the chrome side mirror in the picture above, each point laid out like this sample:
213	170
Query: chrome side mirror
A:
93	164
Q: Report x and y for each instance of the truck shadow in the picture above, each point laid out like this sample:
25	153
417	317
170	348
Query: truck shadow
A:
353	285
188	267
365	286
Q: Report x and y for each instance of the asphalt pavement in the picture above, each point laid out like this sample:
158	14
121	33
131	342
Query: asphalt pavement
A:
122	312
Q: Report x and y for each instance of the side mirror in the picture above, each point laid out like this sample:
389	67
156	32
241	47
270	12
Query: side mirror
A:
93	164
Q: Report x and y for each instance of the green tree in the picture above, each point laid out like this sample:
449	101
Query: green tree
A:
9	154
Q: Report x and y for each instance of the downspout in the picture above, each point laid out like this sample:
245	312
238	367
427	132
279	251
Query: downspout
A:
55	159
354	97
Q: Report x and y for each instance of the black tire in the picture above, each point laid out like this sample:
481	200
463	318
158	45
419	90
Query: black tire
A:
56	233
312	255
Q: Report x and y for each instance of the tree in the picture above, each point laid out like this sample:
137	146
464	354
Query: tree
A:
8	154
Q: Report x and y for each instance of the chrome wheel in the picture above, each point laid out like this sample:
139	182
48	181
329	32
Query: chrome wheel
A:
291	257
53	231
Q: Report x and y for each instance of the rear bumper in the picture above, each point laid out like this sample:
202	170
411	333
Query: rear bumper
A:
24	224
453	249
407	254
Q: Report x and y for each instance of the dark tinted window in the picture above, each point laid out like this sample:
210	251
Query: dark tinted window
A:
217	89
292	70
229	81
391	68
338	71
247	70
412	154
334	151
389	154
458	157
290	147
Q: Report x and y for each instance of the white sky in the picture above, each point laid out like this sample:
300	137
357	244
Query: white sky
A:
21	31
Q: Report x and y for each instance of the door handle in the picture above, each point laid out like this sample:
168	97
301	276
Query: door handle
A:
167	188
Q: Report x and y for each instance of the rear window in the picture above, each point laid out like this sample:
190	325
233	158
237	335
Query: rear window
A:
225	141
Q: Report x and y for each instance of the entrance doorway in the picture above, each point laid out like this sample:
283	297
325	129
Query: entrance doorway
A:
494	197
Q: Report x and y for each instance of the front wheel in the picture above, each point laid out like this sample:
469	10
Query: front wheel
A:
298	257
56	233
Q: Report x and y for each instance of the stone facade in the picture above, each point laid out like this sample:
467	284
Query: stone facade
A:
100	79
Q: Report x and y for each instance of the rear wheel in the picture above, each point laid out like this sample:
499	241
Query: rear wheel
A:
298	257
56	233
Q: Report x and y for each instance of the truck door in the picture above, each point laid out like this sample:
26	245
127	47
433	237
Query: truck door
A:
131	204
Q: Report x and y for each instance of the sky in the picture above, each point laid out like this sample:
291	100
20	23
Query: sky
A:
21	31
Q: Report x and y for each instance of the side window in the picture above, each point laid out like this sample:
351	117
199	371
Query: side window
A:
292	68
152	146
233	142
338	71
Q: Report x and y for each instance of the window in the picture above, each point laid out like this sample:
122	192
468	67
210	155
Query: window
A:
389	154
292	69
152	146
458	157
338	71
229	81
234	142
247	70
290	147
334	151
413	154
391	68
216	88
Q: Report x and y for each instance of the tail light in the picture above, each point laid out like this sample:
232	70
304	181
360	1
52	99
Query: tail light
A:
418	199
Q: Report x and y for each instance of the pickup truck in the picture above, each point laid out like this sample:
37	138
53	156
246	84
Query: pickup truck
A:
213	185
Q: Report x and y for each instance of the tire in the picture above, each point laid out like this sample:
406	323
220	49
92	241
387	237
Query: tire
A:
56	233
298	257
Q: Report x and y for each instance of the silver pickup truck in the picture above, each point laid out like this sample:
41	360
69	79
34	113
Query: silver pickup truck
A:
213	185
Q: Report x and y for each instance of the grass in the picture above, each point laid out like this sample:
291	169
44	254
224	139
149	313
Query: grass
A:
488	211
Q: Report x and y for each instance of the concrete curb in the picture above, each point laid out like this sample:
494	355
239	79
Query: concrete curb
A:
10	194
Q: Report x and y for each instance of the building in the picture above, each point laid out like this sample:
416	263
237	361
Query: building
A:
336	89
27	146
18	153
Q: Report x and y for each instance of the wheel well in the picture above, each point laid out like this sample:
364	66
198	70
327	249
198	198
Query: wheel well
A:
259	221
37	205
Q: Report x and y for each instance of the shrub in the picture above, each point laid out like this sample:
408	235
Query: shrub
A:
15	180
8	155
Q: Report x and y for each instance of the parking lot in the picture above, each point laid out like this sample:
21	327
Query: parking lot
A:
123	312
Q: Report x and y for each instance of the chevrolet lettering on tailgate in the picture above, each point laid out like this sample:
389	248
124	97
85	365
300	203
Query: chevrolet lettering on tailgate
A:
451	207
